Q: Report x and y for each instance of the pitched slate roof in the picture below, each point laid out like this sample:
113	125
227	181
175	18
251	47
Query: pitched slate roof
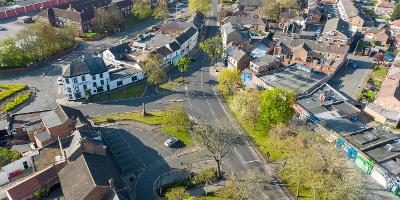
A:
89	65
186	35
197	19
164	51
314	45
256	3
238	54
63	13
174	46
336	24
89	171
54	117
349	8
243	20
35	182
120	49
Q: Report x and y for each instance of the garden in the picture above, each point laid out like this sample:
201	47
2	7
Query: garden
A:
13	96
172	121
374	83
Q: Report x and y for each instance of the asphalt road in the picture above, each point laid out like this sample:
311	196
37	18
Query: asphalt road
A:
350	80
201	102
44	78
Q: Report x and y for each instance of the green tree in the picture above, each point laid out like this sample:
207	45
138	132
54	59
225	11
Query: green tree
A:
7	156
252	183
396	13
108	19
176	116
276	107
153	69
142	9
161	12
218	139
203	6
11	55
212	47
88	95
227	78
273	8
39	194
183	64
177	193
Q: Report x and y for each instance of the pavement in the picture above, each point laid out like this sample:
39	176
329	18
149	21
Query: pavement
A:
139	152
350	80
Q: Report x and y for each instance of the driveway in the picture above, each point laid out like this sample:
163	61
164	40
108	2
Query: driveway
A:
350	80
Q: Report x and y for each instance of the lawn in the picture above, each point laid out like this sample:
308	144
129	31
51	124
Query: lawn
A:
90	35
14	103
168	86
152	118
129	91
261	139
7	90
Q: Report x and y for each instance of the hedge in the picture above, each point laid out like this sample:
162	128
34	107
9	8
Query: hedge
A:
8	90
18	100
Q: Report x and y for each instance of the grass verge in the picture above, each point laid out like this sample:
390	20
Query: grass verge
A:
92	35
152	118
170	84
18	100
129	91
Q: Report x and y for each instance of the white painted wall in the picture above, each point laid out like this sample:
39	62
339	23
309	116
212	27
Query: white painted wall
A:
14	166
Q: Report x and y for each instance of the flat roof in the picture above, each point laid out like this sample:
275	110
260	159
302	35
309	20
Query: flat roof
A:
298	78
342	126
371	138
315	105
381	153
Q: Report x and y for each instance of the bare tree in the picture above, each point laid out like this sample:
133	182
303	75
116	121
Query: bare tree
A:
252	183
218	139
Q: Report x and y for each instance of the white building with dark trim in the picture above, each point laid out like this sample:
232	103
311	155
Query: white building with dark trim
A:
91	74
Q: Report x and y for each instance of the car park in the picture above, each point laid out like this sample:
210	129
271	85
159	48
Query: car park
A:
170	142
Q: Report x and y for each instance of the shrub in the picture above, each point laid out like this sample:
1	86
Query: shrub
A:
18	100
205	177
39	194
7	156
8	90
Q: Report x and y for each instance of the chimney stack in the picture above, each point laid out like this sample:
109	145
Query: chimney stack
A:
322	97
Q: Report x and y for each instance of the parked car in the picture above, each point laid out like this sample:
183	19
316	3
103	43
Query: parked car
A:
60	81
2	28
170	142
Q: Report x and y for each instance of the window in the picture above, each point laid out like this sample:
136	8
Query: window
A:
68	90
134	78
94	84
100	89
84	87
119	83
83	78
102	82
101	75
67	80
93	77
78	95
75	79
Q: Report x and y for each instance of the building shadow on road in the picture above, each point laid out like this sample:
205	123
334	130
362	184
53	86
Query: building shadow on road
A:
141	165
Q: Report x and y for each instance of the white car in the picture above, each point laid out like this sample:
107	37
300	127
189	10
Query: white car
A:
170	142
329	16
60	81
